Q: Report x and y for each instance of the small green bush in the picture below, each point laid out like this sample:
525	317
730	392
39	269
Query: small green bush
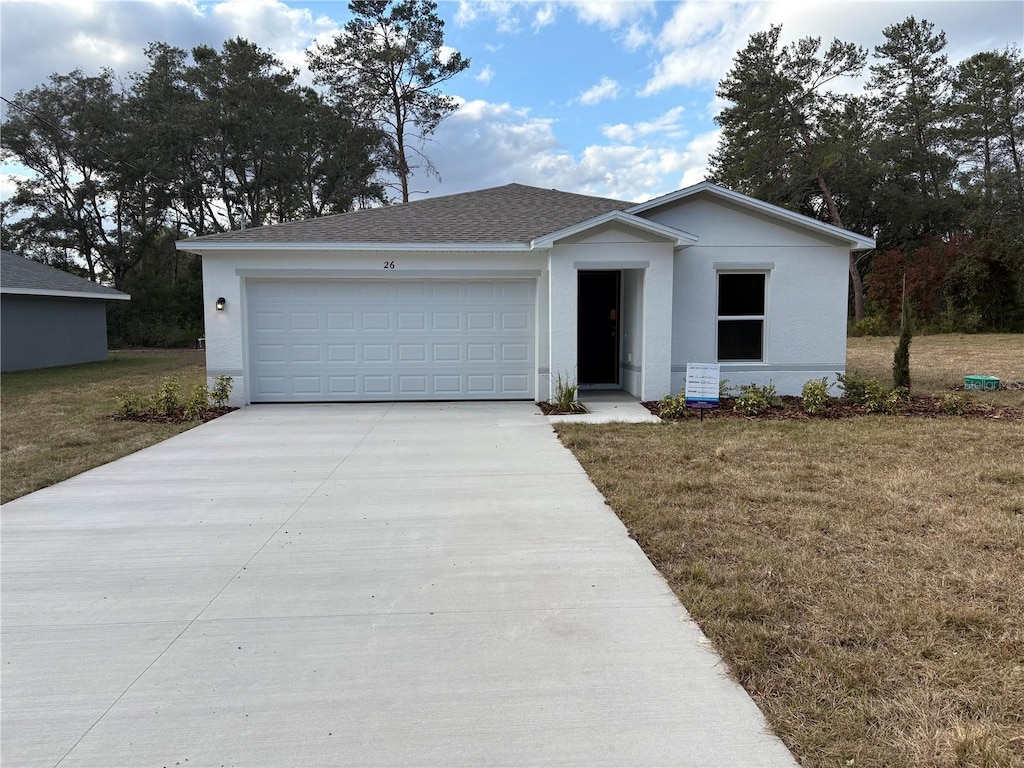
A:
952	403
855	386
878	399
754	399
814	396
197	403
872	325
221	391
724	390
130	404
168	397
673	406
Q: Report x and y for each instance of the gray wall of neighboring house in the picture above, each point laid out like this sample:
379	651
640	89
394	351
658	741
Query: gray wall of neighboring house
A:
43	331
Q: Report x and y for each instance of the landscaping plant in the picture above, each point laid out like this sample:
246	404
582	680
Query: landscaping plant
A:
566	392
754	399
814	396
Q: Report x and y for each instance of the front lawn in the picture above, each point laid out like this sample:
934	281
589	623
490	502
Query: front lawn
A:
863	578
56	421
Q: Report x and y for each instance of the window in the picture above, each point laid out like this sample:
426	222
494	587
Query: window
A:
741	315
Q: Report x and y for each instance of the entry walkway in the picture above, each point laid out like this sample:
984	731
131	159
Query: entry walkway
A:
407	584
608	405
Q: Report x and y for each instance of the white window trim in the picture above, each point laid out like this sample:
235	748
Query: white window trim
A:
759	269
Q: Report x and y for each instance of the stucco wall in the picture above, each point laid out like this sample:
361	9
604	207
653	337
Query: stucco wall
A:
617	248
224	276
806	295
631	352
44	331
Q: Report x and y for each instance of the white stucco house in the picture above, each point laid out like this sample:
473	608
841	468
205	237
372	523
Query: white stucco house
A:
492	294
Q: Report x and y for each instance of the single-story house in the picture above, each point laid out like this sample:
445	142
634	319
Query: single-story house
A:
494	294
49	317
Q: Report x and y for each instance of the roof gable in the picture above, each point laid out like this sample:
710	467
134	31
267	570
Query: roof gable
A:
706	188
677	237
19	275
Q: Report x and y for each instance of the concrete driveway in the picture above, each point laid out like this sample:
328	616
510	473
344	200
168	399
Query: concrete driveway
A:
385	584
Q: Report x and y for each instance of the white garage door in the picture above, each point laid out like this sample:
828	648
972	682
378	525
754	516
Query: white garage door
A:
339	340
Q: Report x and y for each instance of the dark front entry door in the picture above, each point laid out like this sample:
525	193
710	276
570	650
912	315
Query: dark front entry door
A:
598	329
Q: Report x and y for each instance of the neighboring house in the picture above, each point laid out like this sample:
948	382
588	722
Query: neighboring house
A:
49	317
493	294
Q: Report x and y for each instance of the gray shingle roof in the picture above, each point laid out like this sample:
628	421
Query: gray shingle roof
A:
21	275
514	213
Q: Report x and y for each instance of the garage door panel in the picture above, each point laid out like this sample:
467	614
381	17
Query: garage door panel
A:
393	339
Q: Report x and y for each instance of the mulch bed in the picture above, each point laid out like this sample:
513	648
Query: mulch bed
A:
929	407
551	409
152	417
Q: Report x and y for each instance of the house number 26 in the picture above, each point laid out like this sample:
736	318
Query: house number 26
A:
389	265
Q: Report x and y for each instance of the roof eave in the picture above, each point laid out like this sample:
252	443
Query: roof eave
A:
118	296
193	246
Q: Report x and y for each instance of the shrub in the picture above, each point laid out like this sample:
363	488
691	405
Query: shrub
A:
855	386
130	404
198	402
872	325
221	391
673	406
724	390
754	399
952	403
168	397
814	396
878	399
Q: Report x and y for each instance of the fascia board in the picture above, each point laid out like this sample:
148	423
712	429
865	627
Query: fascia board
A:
66	294
857	242
200	247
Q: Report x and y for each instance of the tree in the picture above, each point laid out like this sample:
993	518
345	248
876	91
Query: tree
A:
910	85
783	132
89	198
387	64
901	357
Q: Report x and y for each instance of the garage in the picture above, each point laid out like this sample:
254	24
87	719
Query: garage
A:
391	339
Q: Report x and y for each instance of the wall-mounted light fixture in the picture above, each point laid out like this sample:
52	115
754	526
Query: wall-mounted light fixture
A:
220	303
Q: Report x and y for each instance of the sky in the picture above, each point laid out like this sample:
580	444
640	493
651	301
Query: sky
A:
613	98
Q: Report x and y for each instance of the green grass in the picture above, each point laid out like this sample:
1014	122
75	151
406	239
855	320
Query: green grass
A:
56	422
862	578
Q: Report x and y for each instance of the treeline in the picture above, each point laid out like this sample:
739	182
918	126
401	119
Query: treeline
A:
927	157
207	140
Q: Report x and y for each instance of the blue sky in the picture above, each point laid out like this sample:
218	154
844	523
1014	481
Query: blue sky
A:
608	98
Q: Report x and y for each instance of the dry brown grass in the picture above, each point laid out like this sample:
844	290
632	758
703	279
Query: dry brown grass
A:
941	361
863	578
56	422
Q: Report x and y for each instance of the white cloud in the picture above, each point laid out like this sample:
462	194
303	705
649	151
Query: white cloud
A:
668	126
485	75
607	14
605	89
637	37
545	15
106	34
612	14
486	144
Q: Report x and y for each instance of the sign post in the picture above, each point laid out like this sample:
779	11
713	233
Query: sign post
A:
702	383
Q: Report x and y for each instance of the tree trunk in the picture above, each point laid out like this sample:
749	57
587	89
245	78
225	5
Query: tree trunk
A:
855	280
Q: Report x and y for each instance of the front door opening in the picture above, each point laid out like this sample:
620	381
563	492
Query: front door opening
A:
597	340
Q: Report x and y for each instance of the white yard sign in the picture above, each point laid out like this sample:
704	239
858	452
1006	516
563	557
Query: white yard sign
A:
702	385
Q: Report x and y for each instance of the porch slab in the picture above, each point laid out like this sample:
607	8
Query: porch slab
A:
608	405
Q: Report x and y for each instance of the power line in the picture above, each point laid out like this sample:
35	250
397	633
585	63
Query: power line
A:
73	136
